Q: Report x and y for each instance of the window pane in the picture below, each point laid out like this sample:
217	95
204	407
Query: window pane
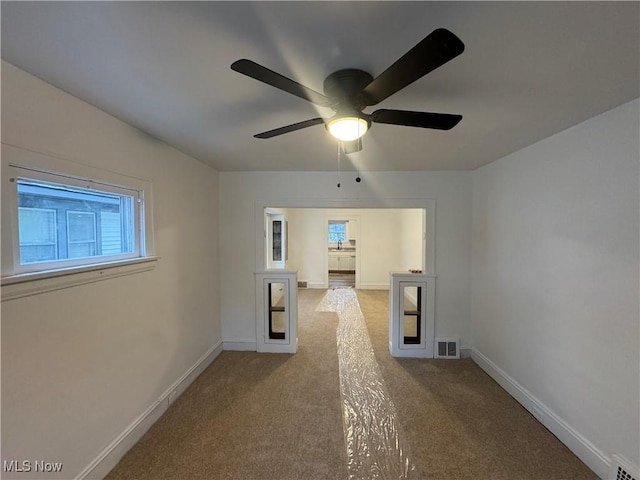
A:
111	238
37	228
79	250
82	226
37	225
337	232
67	222
81	234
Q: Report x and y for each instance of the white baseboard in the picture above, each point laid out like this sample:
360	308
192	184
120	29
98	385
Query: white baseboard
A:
595	459
465	352
110	456
319	285
240	344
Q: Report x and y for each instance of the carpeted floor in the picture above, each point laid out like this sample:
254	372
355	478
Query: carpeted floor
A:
276	416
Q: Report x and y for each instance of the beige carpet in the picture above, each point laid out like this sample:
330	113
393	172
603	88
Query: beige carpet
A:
277	416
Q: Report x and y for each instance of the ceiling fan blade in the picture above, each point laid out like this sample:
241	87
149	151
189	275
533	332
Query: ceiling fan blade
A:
264	75
433	51
439	121
351	146
290	128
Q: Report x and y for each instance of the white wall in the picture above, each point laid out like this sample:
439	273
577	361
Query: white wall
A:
240	191
555	278
411	244
386	235
79	365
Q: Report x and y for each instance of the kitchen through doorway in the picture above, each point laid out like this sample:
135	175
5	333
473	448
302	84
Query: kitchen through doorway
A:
342	235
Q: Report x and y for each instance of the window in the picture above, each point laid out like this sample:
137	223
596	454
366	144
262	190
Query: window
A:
337	231
61	220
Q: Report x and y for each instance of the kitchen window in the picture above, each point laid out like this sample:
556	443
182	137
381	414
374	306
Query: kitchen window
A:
337	231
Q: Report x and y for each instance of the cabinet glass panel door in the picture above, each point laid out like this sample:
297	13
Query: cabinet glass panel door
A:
276	240
276	244
277	310
412	314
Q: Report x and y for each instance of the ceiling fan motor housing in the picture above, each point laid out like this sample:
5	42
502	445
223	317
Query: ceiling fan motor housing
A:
344	89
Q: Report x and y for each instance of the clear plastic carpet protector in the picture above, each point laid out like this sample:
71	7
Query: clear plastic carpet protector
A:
374	447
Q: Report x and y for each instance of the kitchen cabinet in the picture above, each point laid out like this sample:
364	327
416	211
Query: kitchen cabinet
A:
342	261
352	229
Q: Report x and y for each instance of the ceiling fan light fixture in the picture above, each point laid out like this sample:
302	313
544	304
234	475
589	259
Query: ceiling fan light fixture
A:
348	128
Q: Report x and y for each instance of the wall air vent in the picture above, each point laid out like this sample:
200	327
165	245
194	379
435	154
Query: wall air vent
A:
447	347
303	284
621	469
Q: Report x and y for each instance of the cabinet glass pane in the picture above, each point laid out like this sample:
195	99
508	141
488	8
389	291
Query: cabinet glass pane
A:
277	240
277	310
411	298
412	315
410	326
276	291
277	325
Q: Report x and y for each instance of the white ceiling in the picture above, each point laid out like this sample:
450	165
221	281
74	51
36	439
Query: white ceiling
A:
529	70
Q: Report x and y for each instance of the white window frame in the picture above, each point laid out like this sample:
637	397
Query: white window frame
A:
20	163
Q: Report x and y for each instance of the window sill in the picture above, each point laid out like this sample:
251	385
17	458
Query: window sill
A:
27	284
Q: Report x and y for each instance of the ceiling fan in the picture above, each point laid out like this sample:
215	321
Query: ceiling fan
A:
349	91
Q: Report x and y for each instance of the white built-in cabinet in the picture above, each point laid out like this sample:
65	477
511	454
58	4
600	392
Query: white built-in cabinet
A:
411	314
342	261
277	311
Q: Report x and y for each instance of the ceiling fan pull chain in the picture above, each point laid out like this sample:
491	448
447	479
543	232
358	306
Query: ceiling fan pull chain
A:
339	175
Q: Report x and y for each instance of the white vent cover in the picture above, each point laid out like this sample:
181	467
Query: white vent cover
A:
447	347
621	469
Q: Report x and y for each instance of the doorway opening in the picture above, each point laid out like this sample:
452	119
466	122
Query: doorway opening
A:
342	251
346	247
342	234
